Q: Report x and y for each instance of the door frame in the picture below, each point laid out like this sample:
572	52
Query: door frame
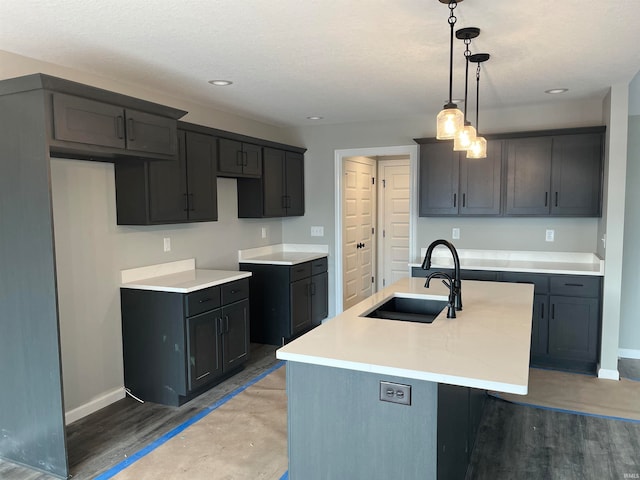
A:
340	155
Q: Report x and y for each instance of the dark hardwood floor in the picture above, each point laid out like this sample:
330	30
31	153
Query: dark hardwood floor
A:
514	442
105	438
518	442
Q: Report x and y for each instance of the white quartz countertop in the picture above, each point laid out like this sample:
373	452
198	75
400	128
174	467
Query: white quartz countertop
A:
563	263
180	277
486	346
283	254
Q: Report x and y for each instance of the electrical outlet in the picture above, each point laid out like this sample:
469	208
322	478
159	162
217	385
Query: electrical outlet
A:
264	232
167	244
550	235
395	393
317	231
455	233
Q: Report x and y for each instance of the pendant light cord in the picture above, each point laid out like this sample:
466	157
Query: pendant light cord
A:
478	98
467	53
452	21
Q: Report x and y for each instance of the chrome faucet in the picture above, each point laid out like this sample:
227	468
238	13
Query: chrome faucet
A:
456	286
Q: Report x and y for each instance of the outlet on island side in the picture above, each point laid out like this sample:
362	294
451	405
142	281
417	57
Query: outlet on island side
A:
167	244
395	393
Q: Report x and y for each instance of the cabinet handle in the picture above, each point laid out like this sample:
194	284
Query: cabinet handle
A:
226	324
219	325
573	285
546	199
120	126
542	312
464	199
313	289
130	135
455	198
205	300
246	159
556	199
553	310
186	202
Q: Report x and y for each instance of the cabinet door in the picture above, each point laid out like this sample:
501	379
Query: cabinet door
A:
235	321
300	306
577	175
273	178
168	187
294	183
528	176
439	178
319	298
80	120
151	133
230	158
453	431
573	328
203	349
540	326
202	184
480	182
252	160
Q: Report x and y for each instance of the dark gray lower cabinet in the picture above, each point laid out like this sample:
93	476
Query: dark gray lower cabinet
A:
287	301
177	345
566	318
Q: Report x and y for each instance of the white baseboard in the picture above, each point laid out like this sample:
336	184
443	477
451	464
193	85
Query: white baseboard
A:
628	353
94	405
608	374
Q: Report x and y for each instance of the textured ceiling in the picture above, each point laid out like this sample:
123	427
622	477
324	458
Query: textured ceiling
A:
346	60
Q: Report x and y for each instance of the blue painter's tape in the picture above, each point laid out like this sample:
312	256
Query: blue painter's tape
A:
169	435
285	476
562	410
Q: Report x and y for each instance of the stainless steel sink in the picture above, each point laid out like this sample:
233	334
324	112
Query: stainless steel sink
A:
409	309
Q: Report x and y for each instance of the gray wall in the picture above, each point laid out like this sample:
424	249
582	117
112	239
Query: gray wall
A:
91	249
497	233
630	316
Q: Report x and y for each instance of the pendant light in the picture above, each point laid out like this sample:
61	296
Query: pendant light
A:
478	148
450	119
467	133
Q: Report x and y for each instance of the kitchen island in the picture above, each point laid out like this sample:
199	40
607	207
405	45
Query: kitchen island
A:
342	423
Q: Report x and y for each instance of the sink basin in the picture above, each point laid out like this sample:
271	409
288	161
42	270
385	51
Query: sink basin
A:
409	309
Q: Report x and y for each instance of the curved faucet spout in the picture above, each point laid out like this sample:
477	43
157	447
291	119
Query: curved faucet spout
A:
457	283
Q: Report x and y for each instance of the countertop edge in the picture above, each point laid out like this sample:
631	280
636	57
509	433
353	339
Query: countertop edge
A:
549	271
161	288
516	389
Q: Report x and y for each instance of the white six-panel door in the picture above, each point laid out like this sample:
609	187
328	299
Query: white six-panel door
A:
358	238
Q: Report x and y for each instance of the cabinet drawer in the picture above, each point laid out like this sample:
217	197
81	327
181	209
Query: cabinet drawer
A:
575	286
319	266
302	270
540	281
234	291
201	301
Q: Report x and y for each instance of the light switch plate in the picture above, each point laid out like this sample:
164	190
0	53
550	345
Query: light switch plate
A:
455	233
550	235
167	244
317	231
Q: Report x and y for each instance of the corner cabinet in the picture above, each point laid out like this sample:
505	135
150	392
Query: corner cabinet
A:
177	345
280	190
170	191
451	184
287	300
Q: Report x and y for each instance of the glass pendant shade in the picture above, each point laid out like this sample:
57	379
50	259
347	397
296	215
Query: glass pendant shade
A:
449	121
478	148
464	138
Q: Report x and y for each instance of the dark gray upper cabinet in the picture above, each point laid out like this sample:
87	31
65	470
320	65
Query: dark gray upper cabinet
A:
576	175
451	184
170	191
89	122
528	176
239	159
280	190
559	175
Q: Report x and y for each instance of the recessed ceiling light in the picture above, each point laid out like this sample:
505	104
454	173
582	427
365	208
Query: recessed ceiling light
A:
220	83
315	117
556	90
